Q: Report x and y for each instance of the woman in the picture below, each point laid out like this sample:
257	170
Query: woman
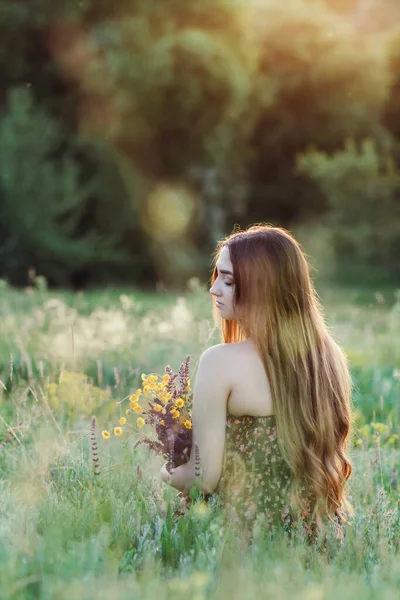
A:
271	409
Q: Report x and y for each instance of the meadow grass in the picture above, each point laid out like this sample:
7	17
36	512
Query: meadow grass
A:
68	533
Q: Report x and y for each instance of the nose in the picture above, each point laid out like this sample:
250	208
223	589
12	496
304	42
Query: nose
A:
214	290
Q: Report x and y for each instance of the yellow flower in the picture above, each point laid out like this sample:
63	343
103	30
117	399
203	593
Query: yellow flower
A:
134	398
201	509
200	579
166	378
188	424
137	409
380	427
117	430
138	393
105	434
143	376
179	403
182	420
127	411
158	407
162	422
140	422
146	390
175	413
122	421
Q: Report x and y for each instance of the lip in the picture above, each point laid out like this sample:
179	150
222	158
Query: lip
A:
218	304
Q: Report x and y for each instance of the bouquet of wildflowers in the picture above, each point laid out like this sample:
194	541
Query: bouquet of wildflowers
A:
168	414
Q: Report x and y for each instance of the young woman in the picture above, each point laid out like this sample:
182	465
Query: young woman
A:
271	409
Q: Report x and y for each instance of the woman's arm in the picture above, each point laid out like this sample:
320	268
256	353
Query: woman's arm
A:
210	397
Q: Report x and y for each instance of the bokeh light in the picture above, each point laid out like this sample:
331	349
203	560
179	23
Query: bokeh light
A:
169	212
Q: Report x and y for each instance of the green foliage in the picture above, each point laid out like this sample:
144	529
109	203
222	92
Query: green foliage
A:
361	188
328	83
217	96
68	533
174	81
392	108
42	199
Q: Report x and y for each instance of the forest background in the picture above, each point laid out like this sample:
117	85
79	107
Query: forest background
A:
135	134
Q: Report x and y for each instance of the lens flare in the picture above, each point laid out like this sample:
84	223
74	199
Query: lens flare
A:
169	212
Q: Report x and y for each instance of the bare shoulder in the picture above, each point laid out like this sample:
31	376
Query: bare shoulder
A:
214	356
215	362
226	358
222	352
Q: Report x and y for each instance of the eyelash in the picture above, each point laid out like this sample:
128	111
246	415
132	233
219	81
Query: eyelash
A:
229	284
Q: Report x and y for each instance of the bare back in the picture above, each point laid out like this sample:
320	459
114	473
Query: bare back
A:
250	390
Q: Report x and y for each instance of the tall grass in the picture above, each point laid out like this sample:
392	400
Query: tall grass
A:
66	532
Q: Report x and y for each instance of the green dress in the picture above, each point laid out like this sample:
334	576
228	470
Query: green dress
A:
255	481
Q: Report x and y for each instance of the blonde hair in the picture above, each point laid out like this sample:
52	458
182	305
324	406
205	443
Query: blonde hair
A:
277	306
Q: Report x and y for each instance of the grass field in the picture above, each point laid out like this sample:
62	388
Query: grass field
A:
66	533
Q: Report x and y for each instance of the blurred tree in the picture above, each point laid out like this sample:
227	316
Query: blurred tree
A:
328	82
392	109
43	201
209	102
367	15
169	86
362	189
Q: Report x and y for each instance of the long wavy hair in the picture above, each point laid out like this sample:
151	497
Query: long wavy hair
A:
277	306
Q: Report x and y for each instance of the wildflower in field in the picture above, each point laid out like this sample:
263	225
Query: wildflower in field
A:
169	395
380	427
118	431
201	509
199	580
105	434
365	430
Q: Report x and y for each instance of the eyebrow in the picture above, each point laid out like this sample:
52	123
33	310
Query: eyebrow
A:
223	271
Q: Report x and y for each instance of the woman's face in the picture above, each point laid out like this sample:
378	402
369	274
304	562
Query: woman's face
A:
223	288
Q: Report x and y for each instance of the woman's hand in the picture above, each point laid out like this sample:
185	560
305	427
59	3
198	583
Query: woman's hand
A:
166	476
